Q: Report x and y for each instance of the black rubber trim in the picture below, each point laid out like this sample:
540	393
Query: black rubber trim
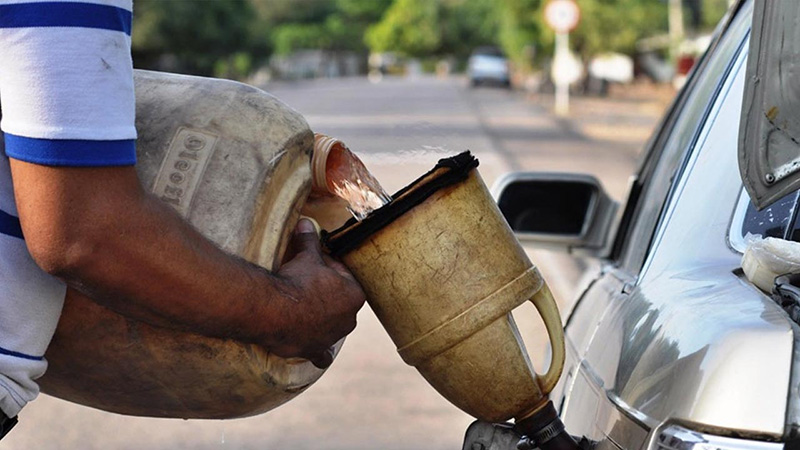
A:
350	235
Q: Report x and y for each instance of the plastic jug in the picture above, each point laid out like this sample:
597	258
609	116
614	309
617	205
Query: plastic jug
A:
235	162
442	270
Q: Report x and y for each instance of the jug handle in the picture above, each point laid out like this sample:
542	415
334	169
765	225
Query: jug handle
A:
546	305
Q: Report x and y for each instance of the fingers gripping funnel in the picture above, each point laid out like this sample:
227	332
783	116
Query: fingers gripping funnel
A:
442	270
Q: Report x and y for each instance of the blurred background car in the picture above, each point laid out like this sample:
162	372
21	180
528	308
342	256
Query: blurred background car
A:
488	65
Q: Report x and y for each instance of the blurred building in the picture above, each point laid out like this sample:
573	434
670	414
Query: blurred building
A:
318	64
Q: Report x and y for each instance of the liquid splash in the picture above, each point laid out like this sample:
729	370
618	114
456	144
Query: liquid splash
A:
349	179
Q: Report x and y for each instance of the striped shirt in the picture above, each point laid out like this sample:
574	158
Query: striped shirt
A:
66	92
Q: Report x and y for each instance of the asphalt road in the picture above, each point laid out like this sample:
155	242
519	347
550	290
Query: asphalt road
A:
370	399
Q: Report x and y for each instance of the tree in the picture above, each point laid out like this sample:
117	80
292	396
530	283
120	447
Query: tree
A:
435	28
195	36
350	22
228	38
362	11
295	36
467	24
410	27
521	28
616	25
313	24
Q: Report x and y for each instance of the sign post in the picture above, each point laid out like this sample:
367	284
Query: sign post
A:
562	16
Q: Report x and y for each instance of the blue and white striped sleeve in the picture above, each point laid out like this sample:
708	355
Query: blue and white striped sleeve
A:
66	82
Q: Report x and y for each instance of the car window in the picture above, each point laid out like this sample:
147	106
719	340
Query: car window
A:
674	143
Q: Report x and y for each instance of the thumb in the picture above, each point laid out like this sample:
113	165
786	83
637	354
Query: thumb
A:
306	239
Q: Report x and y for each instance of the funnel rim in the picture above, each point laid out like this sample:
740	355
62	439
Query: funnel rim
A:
446	173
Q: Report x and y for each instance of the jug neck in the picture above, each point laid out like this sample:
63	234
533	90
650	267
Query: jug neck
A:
324	146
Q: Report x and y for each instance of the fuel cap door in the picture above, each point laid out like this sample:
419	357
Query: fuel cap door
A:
769	131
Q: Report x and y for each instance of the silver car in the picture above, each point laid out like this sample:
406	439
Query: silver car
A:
488	65
669	346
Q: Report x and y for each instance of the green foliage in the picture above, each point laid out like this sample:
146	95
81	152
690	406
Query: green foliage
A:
466	24
362	11
713	10
324	25
295	36
517	26
409	27
349	24
231	37
195	35
522	29
435	28
616	25
274	12
237	66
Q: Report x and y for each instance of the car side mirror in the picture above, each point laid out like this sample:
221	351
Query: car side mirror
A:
561	211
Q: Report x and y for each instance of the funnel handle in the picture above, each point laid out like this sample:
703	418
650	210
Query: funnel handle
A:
546	305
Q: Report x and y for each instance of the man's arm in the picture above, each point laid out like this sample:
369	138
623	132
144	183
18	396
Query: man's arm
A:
96	229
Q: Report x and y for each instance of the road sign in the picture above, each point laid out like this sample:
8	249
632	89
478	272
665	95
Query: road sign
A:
562	15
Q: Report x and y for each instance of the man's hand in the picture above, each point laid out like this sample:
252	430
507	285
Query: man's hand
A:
326	299
96	229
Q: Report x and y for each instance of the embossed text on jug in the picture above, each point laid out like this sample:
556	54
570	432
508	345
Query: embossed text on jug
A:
183	168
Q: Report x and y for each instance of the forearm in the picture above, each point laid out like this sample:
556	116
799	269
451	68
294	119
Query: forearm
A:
130	253
157	269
